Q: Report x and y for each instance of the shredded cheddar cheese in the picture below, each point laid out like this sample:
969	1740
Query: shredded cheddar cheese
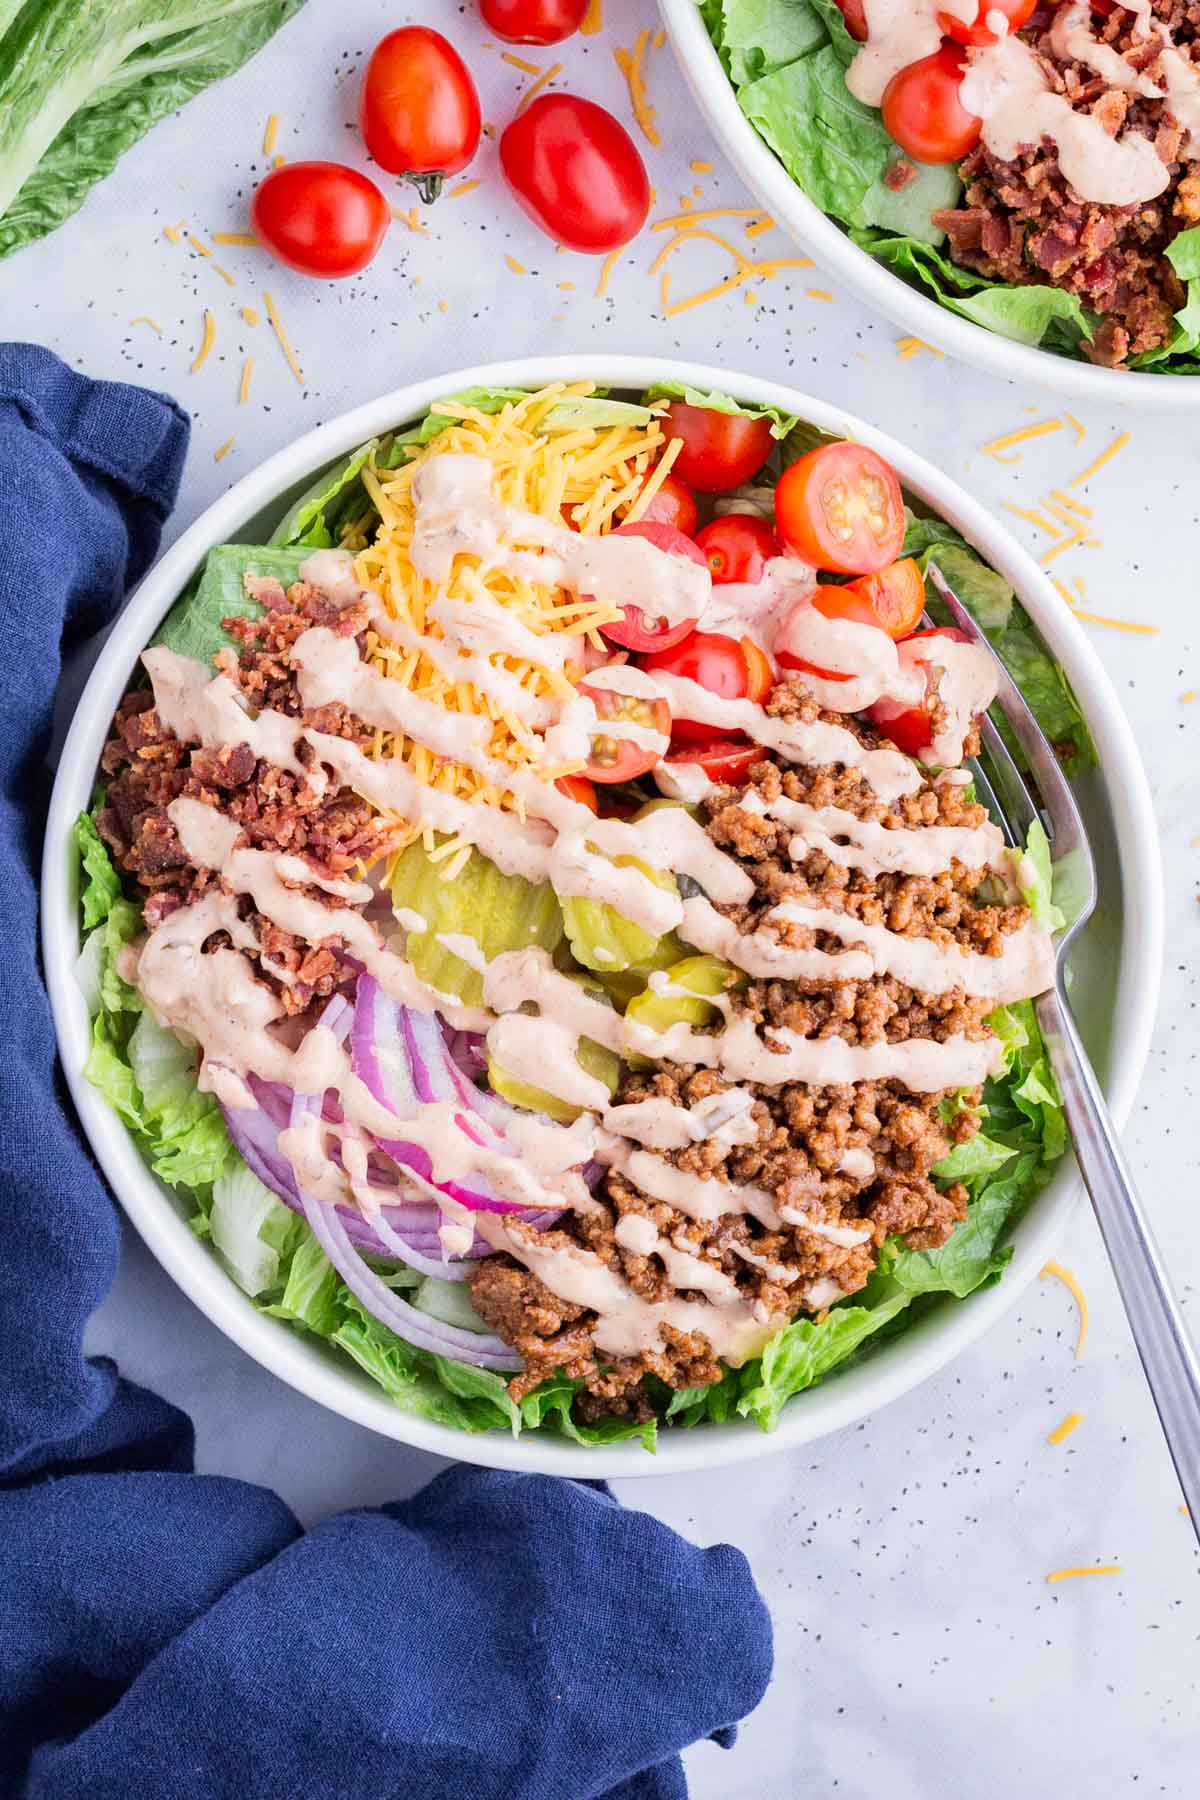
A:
289	354
223	450
198	244
1076	427
700	168
246	238
818	293
174	233
223	272
1076	1292
270	133
632	66
464	187
593	19
595	476
206	342
1033	518
909	347
1062	1432
543	80
250	315
606	269
1025	435
1086	1569
145	319
1130	625
1071	504
518	268
1105	456
519	62
1188	695
244	386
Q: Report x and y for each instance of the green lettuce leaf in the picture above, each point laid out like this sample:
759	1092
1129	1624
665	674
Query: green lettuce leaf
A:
313	519
101	885
80	83
193	625
781	422
833	146
1035	878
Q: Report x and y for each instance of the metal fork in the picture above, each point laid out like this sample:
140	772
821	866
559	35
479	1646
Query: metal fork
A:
1168	1356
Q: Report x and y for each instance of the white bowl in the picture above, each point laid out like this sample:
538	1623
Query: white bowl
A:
815	231
1117	984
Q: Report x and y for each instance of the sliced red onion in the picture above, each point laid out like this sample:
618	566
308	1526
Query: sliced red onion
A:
468	1052
481	1349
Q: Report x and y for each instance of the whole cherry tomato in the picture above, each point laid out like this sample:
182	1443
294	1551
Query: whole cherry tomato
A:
576	171
840	508
725	666
922	109
674	504
738	547
419	111
978	32
613	758
910	728
720	450
533	21
855	16
722	759
320	218
642	630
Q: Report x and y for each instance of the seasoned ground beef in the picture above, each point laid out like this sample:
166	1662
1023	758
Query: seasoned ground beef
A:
800	1152
149	768
1021	222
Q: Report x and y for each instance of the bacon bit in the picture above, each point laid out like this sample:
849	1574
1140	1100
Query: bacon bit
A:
282	336
206	343
270	133
593	19
1088	1569
145	319
1062	1432
546	76
519	62
630	64
245	238
222	450
1118	443
464	187
1012	438
1076	1292
518	268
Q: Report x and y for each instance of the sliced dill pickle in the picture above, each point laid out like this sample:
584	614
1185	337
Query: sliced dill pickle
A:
600	938
692	985
501	912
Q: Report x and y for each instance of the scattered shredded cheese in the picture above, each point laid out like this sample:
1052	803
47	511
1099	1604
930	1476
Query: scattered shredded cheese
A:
1188	695
464	187
250	314
1076	427
198	244
519	62
700	168
750	297
757	227
1012	438
270	133
244	387
443	306
631	64
223	450
688	219
1076	539
1062	1432
245	238
1033	518
1116	624
593	18
913	346
543	80
659	39
223	272
206	342
1088	1569
606	269
145	319
1075	506
568	287
1076	1292
278	161
818	293
175	232
1118	443
518	268
277	327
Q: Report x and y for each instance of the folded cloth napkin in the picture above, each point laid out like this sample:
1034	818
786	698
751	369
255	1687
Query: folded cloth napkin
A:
498	1637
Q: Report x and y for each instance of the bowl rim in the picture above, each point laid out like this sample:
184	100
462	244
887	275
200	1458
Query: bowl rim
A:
871	281
310	1368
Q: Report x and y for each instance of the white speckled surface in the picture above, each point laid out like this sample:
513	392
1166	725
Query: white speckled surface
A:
919	1651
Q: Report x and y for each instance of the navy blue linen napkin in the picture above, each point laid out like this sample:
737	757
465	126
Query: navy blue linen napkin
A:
497	1637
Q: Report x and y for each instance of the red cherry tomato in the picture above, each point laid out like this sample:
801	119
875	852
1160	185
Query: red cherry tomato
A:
896	596
1017	13
320	218
640	630
674	504
532	21
722	759
831	603
738	547
577	173
840	509
855	16
723	666
576	788
922	110
619	758
419	111
910	728
720	450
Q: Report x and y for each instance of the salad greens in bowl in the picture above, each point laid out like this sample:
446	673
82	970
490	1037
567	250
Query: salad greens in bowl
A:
523	942
955	166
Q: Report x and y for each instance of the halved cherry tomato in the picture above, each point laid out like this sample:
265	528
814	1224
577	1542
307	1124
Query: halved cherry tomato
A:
854	13
896	596
840	509
619	758
910	728
738	547
642	631
419	110
922	110
725	666
978	32
320	218
831	603
674	504
577	788
576	171
720	450
722	759
533	21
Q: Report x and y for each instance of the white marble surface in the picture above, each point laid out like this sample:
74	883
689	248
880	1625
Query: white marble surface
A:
919	1652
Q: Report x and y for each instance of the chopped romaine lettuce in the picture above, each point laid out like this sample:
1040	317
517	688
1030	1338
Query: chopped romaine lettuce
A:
781	422
314	520
101	885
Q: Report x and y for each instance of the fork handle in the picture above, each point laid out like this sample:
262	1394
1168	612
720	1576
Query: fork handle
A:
1168	1356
